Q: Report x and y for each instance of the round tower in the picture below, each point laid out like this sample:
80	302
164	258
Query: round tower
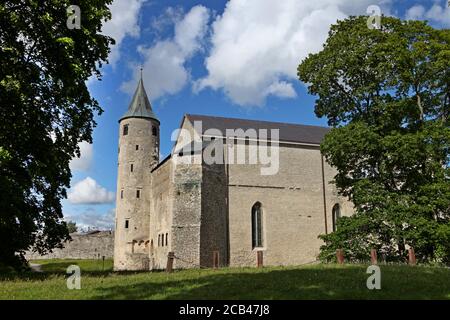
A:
138	155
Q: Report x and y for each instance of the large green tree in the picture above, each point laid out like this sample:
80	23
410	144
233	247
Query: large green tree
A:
386	94
72	227
46	110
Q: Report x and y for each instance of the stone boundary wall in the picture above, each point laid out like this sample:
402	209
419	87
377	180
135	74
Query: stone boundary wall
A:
92	245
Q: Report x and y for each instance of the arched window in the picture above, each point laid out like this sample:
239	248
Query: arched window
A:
162	240
167	239
336	214
257	225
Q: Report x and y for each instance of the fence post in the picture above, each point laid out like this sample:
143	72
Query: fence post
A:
412	257
215	259
373	256
340	256
259	259
170	258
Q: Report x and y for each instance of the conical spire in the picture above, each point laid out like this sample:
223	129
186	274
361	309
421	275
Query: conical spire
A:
140	106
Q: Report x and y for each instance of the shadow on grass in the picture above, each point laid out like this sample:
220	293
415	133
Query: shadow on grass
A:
312	282
94	268
303	283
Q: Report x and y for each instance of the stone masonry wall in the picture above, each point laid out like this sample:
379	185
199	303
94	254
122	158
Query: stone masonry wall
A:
292	206
138	154
82	246
213	229
186	214
161	216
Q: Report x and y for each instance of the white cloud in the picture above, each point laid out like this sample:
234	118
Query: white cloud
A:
258	44
164	62
88	191
281	89
124	22
414	13
91	219
437	13
84	162
168	18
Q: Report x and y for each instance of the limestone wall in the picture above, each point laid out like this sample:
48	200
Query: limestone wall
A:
214	221
187	213
293	208
83	246
138	154
161	216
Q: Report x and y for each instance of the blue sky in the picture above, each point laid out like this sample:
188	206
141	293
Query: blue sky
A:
231	58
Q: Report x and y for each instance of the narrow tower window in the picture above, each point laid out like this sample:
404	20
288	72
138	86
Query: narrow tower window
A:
127	223
159	240
336	214
125	129
137	147
138	194
167	238
121	194
257	226
154	131
131	167
162	240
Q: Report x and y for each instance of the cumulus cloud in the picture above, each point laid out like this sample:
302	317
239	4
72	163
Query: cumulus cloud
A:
258	44
88	191
437	13
124	22
416	12
84	162
168	18
164	70
91	219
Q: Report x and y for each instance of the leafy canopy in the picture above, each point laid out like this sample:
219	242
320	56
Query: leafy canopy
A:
386	93
46	110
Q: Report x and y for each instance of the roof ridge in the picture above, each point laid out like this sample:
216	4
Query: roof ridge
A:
253	120
292	132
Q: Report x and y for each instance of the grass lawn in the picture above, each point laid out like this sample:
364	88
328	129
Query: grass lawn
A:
306	282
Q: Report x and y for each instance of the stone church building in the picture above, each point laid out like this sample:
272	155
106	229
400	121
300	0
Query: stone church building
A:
197	208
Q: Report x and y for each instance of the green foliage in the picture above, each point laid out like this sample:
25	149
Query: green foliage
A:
386	93
46	110
72	227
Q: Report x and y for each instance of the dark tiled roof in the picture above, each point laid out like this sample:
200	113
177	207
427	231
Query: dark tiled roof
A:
288	132
140	106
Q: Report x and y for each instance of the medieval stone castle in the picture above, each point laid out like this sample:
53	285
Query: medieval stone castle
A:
199	209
